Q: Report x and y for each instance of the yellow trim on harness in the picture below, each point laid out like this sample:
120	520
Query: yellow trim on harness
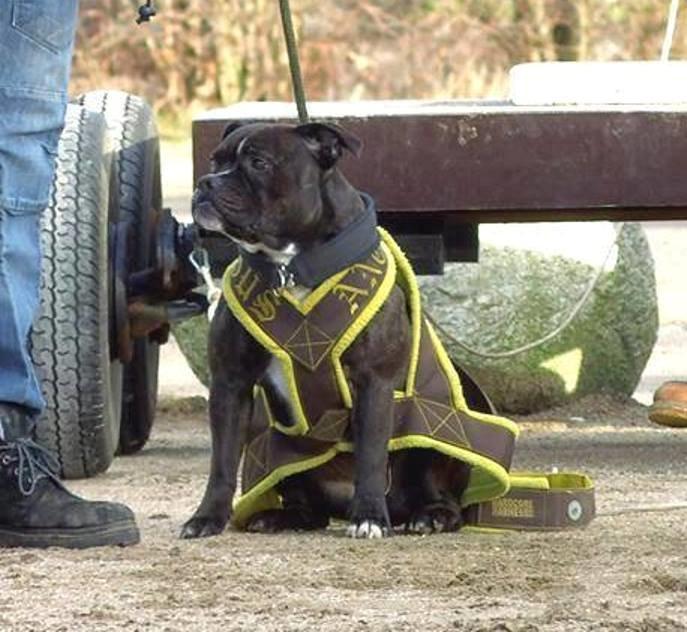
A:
449	371
488	479
413	296
304	307
478	482
459	402
301	425
248	503
263	496
359	324
309	302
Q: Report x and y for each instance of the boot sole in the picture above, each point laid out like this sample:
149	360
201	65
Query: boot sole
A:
667	413
123	533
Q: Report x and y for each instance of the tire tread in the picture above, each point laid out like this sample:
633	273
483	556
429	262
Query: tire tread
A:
69	338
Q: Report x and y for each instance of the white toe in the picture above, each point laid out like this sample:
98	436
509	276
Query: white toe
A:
375	531
367	529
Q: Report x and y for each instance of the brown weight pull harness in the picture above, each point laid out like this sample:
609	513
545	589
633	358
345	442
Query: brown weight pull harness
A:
308	338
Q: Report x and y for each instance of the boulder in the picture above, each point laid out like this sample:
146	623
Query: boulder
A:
504	318
192	338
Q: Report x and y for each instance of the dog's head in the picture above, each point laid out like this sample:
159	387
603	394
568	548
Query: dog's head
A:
270	183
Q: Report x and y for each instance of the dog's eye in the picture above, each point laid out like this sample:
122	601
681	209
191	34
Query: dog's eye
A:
258	164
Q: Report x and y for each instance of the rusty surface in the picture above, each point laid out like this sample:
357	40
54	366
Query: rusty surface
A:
491	163
145	318
121	342
153	297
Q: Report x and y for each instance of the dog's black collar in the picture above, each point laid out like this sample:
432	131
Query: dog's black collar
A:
311	267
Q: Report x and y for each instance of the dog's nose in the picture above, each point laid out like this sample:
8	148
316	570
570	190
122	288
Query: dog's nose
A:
205	183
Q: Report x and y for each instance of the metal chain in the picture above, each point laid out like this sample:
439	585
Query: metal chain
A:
200	260
584	297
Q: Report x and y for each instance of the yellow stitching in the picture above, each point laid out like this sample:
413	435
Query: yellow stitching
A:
305	329
301	426
360	323
413	296
451	376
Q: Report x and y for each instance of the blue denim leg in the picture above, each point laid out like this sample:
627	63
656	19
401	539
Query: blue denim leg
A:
36	39
20	260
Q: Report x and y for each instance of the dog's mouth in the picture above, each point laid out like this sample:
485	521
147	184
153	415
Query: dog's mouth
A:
239	225
207	216
228	223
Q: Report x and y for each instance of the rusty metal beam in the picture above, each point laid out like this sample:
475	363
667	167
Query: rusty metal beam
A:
494	162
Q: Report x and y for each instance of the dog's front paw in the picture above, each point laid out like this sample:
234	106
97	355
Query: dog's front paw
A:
202	527
367	529
369	518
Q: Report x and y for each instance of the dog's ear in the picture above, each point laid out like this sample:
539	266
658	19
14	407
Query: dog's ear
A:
327	141
233	126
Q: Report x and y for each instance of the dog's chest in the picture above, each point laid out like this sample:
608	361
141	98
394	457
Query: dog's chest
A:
274	379
274	375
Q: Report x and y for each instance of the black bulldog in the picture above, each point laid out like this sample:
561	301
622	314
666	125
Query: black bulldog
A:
275	190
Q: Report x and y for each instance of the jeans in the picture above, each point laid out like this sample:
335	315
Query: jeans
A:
36	41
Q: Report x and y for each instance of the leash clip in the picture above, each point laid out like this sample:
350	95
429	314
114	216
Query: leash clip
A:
146	12
286	278
200	260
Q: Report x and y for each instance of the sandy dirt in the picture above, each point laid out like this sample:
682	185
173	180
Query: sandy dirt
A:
626	572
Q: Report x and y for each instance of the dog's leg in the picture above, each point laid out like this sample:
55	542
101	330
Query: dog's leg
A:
228	413
442	482
371	424
235	363
377	362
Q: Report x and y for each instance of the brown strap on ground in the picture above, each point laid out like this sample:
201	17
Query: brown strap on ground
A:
538	502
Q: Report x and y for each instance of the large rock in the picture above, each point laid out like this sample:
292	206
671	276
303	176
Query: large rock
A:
517	296
192	336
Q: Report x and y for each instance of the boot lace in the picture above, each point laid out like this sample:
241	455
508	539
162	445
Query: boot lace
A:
28	462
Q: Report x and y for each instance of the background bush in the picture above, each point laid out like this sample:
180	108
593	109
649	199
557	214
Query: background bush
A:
201	53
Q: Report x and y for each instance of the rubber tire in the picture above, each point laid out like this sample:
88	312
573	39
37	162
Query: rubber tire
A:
136	167
70	338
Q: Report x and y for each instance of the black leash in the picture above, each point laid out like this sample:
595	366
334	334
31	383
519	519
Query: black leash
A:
294	64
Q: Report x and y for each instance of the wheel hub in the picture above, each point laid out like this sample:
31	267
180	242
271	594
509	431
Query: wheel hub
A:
121	343
145	302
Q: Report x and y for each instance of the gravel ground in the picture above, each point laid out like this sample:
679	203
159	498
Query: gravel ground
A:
625	572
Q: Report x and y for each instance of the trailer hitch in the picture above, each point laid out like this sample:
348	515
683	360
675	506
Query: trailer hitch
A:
146	302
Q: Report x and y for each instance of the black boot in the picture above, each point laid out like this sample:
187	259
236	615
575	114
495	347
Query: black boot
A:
35	508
